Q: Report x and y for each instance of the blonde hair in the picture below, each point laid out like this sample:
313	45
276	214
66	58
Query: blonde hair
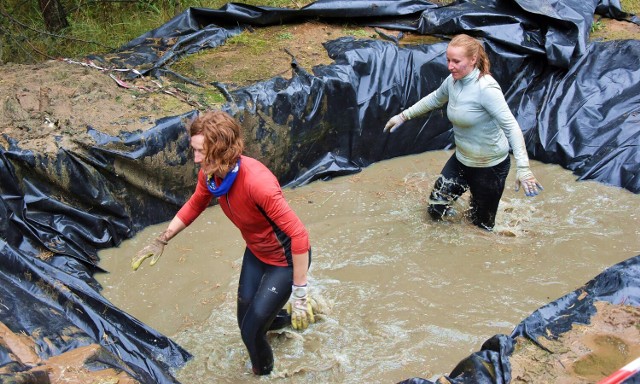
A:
473	47
223	143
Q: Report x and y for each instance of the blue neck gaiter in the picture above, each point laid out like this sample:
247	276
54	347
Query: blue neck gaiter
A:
226	184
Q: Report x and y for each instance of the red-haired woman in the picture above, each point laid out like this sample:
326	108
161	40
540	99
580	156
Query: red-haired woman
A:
483	127
277	254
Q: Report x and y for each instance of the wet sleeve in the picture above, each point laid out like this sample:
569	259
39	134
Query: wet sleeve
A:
197	203
269	196
494	103
434	100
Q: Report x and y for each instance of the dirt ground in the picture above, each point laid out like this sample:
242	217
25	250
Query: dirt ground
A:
585	354
51	104
62	98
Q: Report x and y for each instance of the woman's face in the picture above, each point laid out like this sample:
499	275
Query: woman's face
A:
459	64
197	143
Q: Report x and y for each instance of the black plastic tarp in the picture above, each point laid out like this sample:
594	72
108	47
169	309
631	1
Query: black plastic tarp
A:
576	101
69	207
555	81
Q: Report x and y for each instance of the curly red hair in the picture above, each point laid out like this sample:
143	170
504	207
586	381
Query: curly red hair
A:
223	143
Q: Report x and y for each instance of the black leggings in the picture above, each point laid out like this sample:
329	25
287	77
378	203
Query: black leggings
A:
485	184
263	291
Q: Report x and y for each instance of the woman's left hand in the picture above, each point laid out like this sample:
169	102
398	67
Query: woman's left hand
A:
300	308
528	182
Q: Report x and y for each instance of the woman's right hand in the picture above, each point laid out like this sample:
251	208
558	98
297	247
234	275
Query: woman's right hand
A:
394	123
153	250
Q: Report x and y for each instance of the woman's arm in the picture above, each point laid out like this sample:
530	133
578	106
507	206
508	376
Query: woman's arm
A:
175	226
300	268
434	100
493	101
185	216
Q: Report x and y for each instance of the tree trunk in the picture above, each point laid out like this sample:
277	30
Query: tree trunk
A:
55	17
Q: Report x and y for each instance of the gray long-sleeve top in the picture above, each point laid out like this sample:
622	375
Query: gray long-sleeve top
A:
483	125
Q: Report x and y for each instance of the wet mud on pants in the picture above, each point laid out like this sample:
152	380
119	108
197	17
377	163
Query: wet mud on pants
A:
486	186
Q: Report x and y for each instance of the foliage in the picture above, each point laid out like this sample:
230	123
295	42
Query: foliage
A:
596	26
95	26
631	6
100	26
359	33
250	42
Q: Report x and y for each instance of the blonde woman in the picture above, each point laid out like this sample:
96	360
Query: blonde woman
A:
484	129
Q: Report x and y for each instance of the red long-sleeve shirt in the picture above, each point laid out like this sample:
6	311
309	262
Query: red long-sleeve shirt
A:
255	204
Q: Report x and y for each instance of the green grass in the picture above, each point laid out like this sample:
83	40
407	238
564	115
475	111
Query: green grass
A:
100	26
285	36
250	42
596	26
359	33
95	27
631	6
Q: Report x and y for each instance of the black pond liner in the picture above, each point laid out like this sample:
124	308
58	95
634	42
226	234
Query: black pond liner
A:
577	102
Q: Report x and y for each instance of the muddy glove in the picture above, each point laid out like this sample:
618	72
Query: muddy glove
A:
300	307
525	178
153	250
394	123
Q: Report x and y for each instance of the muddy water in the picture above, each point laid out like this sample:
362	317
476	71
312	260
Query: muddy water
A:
404	296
